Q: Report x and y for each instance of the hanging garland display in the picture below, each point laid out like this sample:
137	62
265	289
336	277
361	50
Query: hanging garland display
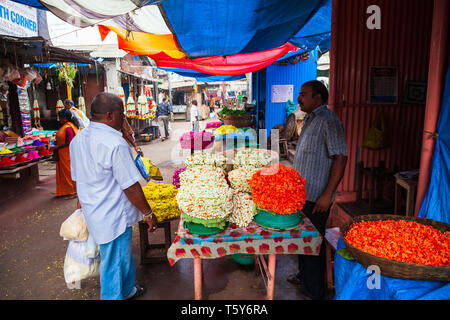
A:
131	108
59	107
143	111
151	108
121	93
82	104
36	113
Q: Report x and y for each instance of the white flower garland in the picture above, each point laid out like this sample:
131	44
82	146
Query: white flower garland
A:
243	212
205	158
204	193
240	178
251	158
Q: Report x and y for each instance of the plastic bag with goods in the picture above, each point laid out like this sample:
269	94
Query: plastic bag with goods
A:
74	227
82	261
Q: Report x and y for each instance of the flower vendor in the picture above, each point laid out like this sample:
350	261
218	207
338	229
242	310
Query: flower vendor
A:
320	157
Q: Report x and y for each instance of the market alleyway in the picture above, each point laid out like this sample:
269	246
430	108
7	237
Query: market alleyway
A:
32	252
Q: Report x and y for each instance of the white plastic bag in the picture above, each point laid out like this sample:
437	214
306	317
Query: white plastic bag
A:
74	227
82	261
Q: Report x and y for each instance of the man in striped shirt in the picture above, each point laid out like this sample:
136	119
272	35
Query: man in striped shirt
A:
320	158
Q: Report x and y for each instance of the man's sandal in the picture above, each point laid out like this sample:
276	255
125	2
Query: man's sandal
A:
293	279
140	290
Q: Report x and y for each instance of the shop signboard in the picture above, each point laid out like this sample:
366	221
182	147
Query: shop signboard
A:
282	93
18	20
383	85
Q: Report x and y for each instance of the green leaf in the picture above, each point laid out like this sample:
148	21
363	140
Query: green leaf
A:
345	254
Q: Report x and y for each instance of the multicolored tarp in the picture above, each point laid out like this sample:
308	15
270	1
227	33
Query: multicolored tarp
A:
204	77
214	37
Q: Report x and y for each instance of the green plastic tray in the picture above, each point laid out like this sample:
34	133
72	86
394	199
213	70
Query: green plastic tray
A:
279	221
196	228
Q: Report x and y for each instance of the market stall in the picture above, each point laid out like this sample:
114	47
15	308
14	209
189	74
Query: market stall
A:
19	159
225	204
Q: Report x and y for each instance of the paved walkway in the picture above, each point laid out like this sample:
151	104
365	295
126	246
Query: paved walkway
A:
32	252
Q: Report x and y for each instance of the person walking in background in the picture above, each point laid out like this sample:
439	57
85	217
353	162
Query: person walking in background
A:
194	117
83	120
163	111
212	107
109	192
244	102
64	136
320	158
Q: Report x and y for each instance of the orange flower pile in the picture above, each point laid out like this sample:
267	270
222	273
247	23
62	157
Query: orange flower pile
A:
404	241
278	189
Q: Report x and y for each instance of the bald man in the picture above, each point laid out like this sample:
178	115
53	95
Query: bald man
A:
107	183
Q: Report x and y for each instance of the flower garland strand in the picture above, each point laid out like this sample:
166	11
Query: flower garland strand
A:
243	209
240	178
205	196
251	158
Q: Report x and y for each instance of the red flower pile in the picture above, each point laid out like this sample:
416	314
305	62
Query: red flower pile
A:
278	189
404	241
5	161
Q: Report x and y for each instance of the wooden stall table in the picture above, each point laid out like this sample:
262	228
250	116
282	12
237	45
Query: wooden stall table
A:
254	239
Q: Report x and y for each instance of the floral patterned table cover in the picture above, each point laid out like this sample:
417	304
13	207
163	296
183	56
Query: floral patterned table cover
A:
253	239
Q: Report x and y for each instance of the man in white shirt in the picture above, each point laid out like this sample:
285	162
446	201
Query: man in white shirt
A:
109	192
194	116
83	121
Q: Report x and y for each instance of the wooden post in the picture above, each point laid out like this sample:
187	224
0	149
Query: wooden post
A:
198	278
271	279
436	75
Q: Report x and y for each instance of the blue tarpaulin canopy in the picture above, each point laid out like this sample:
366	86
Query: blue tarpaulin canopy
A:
204	28
203	76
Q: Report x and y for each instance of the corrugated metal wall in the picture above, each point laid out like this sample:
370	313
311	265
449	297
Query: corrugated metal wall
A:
402	42
295	74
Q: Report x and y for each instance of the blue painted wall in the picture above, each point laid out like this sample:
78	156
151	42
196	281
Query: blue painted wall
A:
296	74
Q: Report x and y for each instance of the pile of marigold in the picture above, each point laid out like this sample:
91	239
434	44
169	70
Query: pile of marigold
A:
278	189
162	199
404	241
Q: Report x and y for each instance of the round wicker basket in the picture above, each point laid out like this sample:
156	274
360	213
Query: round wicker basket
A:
397	269
239	121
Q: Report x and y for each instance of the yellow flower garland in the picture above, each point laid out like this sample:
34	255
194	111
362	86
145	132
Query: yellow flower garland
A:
162	199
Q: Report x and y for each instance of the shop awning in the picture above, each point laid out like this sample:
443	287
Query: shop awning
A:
177	33
37	50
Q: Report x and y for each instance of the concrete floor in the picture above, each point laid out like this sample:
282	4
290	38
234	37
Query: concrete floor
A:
32	252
